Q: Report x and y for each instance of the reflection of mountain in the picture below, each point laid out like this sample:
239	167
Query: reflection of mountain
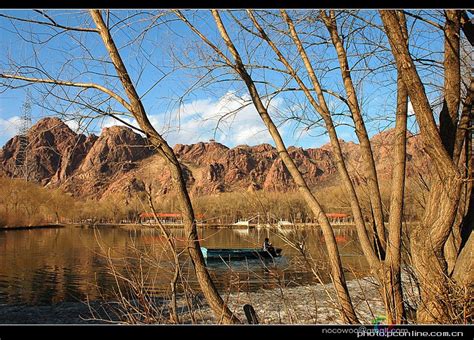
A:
121	161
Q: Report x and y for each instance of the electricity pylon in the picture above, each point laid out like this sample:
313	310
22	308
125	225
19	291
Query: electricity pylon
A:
22	161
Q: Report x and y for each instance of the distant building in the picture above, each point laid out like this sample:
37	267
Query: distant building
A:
339	218
165	218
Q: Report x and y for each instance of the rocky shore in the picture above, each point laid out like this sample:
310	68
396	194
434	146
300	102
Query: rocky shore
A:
310	304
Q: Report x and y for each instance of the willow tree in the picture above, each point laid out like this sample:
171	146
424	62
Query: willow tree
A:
124	92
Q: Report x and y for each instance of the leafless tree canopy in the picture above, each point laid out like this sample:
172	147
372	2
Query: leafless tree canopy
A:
345	70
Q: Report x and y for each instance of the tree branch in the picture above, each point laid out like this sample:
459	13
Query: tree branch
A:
52	23
68	83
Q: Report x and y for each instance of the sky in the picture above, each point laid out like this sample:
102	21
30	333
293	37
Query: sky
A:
184	101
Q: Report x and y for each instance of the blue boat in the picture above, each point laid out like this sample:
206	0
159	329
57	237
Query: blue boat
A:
238	253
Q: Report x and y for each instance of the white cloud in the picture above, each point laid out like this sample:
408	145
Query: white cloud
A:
251	135
231	120
8	128
187	110
73	125
109	121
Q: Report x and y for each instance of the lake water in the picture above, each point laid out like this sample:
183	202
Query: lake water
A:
47	266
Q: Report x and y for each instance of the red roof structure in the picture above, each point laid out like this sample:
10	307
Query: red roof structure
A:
337	215
166	215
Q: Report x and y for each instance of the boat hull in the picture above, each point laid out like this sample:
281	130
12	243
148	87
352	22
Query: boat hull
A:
238	254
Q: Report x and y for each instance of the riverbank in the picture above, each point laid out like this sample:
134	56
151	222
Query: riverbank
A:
309	304
148	226
145	226
44	226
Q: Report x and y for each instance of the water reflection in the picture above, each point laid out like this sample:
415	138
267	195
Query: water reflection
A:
47	266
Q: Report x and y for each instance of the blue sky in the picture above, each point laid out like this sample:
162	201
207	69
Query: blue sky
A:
182	106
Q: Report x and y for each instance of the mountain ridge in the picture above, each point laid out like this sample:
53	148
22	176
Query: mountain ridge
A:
121	161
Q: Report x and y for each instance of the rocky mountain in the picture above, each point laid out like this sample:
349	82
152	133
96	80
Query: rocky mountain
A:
121	161
54	151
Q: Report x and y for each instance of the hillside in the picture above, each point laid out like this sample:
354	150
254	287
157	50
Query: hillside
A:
120	161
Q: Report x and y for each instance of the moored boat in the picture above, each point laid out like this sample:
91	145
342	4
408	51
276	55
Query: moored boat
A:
238	253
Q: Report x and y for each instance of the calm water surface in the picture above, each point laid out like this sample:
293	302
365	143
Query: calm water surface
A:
47	266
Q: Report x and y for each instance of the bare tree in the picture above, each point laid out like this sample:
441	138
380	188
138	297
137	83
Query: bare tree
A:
441	246
384	254
133	105
239	67
429	238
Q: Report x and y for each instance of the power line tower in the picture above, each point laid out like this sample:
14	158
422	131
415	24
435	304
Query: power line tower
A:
22	160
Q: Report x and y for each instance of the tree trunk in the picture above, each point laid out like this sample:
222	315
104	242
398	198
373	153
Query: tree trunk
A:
463	272
387	273
220	309
427	251
323	109
362	135
392	288
449	115
429	238
338	278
